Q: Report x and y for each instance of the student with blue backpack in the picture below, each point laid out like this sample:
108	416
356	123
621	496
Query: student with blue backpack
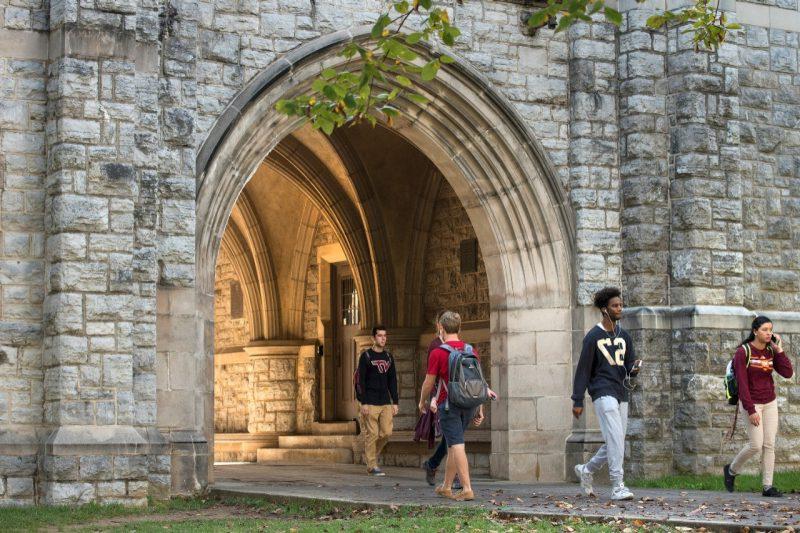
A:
753	363
462	391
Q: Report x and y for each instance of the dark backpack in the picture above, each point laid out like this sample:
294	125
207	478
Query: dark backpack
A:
731	383
357	385
466	386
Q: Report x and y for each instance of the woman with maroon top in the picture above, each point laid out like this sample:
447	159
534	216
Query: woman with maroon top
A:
757	400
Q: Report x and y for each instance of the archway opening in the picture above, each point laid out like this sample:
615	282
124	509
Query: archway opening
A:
500	174
328	238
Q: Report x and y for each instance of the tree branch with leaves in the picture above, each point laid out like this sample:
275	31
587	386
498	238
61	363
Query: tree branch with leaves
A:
379	71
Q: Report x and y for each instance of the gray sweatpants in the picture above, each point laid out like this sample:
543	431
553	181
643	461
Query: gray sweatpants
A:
613	418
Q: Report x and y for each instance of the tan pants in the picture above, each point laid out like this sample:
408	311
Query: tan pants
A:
762	440
377	425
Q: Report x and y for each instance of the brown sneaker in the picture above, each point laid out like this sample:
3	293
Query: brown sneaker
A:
464	495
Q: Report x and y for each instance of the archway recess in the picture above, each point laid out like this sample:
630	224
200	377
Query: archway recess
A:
515	203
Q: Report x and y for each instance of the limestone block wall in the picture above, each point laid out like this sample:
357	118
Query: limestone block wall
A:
445	286
229	332
769	107
23	165
233	397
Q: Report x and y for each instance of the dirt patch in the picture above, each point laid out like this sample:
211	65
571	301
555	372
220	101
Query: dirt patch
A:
217	512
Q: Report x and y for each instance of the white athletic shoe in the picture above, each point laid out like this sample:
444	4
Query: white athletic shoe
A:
585	477
621	492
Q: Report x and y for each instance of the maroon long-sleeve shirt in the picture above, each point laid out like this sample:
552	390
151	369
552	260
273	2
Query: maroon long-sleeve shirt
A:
758	387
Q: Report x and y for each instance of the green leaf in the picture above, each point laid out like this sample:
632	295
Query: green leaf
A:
389	111
417	98
446	60
318	85
328	74
538	19
402	7
380	24
426	4
327	126
613	16
430	69
402	80
734	26
414	38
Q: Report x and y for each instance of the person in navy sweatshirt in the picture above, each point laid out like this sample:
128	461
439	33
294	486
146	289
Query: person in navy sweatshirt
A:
606	365
753	363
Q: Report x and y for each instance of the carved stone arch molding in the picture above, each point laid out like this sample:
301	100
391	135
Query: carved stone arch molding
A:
255	268
481	146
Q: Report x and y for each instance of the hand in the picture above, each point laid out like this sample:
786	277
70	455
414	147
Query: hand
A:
577	412
755	419
492	395
364	410
395	409
777	346
433	407
478	419
635	370
423	408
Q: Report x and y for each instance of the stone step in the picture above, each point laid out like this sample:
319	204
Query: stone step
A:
334	428
316	441
304	456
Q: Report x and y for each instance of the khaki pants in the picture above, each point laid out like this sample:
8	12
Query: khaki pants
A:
377	425
762	440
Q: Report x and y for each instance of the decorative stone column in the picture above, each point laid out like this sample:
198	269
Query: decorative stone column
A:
706	260
594	195
644	161
99	338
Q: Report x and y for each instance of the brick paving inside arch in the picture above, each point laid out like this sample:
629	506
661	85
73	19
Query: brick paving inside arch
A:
406	486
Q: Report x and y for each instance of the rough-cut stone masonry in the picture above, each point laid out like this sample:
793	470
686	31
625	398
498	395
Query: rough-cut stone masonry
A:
445	286
679	171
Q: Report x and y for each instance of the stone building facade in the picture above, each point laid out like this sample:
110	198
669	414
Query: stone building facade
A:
140	167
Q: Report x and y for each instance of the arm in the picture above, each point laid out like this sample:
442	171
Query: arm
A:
740	369
782	365
393	385
363	365
583	373
427	387
630	356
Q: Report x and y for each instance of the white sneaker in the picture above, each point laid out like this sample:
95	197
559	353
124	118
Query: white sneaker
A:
621	492
585	478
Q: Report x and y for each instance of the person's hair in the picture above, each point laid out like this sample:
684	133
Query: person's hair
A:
450	321
377	328
604	295
438	318
757	323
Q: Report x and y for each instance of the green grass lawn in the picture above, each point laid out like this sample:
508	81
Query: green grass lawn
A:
251	514
785	481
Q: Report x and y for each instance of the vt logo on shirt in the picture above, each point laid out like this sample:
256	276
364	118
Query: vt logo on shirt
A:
381	364
619	348
761	363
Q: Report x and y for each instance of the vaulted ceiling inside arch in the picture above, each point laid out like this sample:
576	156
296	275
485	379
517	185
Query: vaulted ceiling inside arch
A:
377	192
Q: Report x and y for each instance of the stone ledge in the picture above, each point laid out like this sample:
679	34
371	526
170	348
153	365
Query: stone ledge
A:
96	440
706	317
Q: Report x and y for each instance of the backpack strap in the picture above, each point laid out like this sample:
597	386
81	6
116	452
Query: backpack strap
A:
748	353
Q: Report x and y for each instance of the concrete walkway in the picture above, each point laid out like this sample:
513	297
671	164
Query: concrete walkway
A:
406	486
